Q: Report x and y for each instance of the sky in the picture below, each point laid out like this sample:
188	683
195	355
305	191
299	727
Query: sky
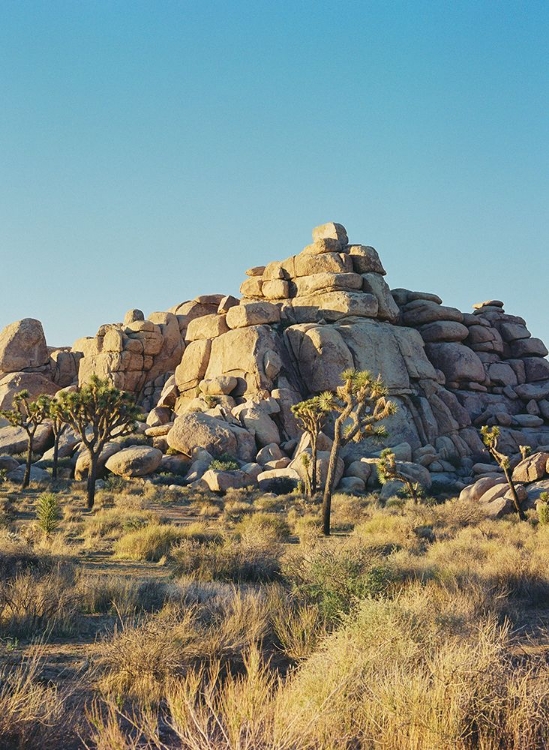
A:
153	151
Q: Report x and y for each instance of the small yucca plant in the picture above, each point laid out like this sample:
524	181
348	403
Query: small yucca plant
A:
48	512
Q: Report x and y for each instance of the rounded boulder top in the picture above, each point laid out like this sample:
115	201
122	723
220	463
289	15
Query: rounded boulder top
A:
331	230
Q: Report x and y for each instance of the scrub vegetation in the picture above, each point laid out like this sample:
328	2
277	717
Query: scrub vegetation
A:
148	622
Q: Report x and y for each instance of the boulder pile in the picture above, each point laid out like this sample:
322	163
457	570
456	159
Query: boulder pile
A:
218	375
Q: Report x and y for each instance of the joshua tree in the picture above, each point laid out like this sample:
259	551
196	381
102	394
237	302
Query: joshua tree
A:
311	414
387	470
490	436
28	415
362	403
97	413
55	415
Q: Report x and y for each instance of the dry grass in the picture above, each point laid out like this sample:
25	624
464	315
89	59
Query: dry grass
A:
250	560
150	543
396	676
112	523
32	714
400	631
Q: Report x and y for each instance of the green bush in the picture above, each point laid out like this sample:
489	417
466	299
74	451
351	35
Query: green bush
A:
336	575
225	462
114	483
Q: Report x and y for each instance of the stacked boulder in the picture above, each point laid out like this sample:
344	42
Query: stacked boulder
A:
219	375
134	355
27	363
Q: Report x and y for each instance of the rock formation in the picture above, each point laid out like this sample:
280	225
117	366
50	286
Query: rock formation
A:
220	375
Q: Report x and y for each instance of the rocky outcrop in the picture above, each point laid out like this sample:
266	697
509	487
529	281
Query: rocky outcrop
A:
137	355
221	374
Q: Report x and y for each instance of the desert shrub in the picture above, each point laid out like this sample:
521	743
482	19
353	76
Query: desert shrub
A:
271	503
390	678
543	508
201	533
168	478
393	674
298	626
134	439
234	510
31	712
237	716
148	543
282	485
234	620
209	510
347	510
48	512
17	557
39	599
107	593
114	483
225	462
143	653
231	561
307	526
113	522
336	574
268	526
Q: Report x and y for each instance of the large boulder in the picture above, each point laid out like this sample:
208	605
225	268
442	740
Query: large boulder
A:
194	363
82	465
36	474
252	354
322	462
374	347
422	311
197	430
252	314
331	230
257	421
206	327
23	346
531	468
330	306
135	461
8	463
474	492
444	330
457	362
15	440
320	353
374	283
33	382
365	259
221	481
317	282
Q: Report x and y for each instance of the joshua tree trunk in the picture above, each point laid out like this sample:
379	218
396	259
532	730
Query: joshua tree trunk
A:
26	476
92	475
330	478
314	452
516	501
55	457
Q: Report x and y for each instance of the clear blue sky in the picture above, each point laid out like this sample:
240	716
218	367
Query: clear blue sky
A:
152	151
